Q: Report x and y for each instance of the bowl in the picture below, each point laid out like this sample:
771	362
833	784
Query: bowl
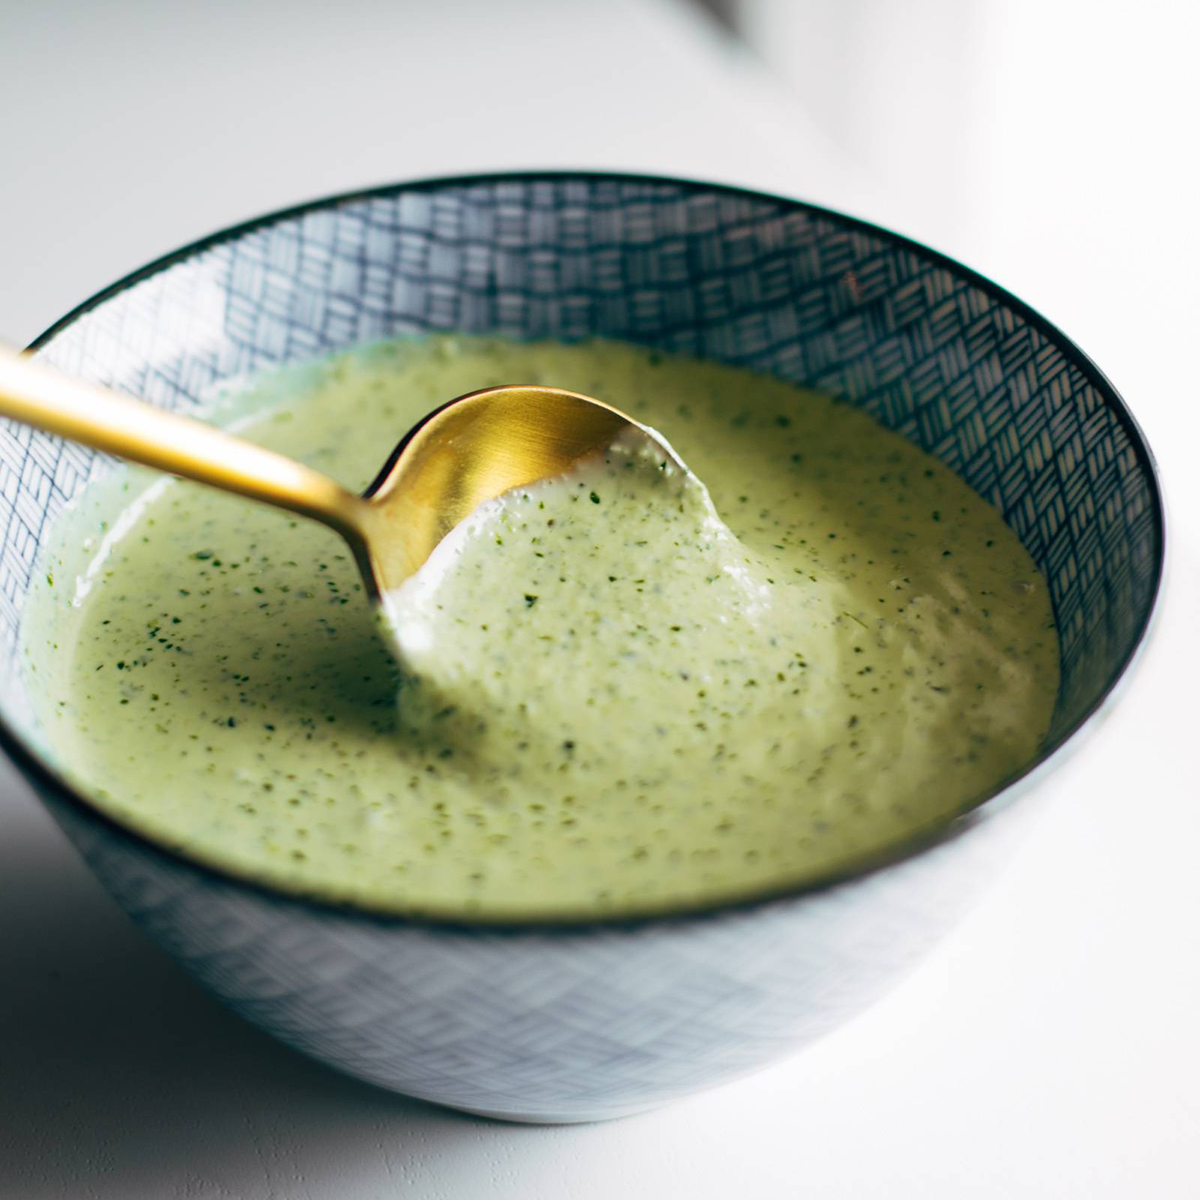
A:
543	1022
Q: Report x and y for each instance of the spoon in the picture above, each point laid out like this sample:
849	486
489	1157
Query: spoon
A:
467	452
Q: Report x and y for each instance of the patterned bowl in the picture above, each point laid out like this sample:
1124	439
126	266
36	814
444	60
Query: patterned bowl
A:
545	1023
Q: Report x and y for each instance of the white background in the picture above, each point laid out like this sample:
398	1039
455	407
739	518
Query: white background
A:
1051	1047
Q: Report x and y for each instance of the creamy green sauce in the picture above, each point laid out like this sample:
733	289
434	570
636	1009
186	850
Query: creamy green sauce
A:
614	700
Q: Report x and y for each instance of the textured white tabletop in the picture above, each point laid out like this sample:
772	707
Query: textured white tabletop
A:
1050	1048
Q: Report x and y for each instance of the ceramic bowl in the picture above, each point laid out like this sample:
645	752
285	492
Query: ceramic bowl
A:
545	1023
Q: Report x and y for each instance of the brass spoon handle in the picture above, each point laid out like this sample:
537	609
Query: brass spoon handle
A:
133	429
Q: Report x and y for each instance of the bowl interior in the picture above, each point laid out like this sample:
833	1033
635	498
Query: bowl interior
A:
930	350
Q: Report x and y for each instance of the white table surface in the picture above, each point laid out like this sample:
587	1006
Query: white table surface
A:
1050	1048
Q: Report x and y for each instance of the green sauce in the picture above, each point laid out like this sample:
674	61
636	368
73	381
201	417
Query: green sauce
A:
614	700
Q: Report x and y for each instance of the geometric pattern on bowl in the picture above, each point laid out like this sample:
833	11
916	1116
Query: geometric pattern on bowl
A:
797	292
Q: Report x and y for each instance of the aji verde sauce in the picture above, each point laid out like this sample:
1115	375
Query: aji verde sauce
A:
615	701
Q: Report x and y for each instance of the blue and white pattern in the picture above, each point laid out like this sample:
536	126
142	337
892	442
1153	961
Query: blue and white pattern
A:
569	1025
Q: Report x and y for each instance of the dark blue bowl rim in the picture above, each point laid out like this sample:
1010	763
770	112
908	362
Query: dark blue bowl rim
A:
45	777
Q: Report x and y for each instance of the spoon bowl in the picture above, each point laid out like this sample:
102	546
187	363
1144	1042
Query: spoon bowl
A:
472	450
467	452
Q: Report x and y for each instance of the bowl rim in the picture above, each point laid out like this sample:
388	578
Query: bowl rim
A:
1052	754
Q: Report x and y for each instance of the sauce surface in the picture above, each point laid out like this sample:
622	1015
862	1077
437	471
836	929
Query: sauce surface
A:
616	700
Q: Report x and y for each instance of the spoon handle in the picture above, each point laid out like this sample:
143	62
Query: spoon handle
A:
118	424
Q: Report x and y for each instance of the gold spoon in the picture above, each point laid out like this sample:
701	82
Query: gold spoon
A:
464	453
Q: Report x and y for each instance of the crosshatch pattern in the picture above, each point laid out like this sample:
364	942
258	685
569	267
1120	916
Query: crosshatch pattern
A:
746	280
797	292
566	1025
